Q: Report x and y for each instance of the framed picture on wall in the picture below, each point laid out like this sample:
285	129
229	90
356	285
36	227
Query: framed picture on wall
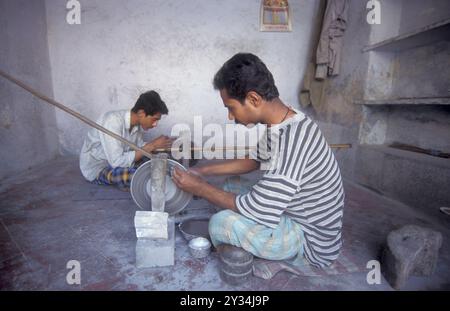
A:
275	16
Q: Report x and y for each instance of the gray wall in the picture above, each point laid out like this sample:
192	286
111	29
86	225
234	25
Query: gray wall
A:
123	48
429	75
27	126
416	179
419	13
337	115
403	16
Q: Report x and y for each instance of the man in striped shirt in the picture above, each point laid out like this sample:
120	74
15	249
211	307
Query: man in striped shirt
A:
295	210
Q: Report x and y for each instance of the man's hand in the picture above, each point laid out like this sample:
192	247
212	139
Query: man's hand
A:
194	184
148	147
188	181
162	142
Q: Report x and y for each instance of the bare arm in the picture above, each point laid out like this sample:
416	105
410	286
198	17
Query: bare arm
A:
160	142
231	167
197	186
218	197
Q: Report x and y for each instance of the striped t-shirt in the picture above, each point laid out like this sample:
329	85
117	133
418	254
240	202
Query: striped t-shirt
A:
302	181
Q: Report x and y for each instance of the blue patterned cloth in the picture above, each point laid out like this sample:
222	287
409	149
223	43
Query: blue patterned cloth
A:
118	176
228	227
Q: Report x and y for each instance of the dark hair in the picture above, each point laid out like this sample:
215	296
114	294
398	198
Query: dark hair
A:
243	73
151	103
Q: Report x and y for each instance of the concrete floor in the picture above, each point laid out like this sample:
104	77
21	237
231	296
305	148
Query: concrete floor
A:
50	215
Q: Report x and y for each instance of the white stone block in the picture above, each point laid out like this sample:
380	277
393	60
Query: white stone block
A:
151	225
156	252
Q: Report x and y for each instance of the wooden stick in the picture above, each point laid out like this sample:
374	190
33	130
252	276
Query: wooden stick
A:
74	113
341	145
200	149
112	134
238	148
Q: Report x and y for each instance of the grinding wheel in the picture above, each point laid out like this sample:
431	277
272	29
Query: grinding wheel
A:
176	199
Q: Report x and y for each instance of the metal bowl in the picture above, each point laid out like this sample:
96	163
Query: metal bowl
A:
194	227
176	199
199	247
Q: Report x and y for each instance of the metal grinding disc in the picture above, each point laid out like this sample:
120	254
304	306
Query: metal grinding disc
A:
176	199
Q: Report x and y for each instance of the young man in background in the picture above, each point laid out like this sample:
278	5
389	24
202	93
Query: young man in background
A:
107	161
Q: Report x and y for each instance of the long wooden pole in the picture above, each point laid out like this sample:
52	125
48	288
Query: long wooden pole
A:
336	146
74	113
112	134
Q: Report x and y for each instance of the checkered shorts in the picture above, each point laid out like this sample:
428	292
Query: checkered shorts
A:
118	176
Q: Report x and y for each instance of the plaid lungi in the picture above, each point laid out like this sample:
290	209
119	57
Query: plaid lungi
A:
284	242
118	176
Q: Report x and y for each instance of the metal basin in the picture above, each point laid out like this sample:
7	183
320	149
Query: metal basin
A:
195	227
176	199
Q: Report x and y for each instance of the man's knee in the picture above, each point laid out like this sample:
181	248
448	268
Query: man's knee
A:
219	218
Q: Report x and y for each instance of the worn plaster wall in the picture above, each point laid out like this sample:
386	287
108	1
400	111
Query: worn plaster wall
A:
123	48
428	77
416	179
338	116
418	13
27	125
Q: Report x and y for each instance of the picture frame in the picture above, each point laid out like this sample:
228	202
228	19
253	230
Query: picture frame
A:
275	16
